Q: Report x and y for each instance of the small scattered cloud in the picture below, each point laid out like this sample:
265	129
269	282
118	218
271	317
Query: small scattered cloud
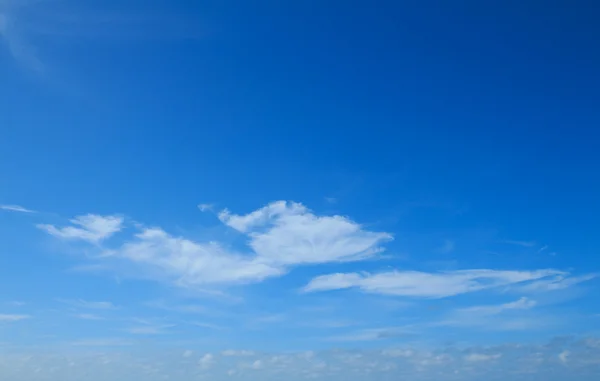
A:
188	353
426	285
481	357
91	227
564	356
543	248
16	208
10	318
237	353
205	207
331	200
207	361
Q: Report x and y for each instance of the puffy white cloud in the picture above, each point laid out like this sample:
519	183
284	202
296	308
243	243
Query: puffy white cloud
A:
426	285
91	227
15	208
287	233
191	263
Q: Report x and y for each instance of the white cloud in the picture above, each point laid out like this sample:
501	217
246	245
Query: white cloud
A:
207	361
92	228
15	208
281	235
190	263
480	357
9	318
187	353
258	364
93	305
426	285
287	233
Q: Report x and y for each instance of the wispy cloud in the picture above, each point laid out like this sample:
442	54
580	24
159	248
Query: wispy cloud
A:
373	334
149	330
11	33
555	283
502	317
108	342
94	305
521	304
426	285
91	227
16	208
10	318
519	243
26	24
149	327
482	357
89	317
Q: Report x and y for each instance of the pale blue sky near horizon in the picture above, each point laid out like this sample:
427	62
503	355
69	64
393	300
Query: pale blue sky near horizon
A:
323	189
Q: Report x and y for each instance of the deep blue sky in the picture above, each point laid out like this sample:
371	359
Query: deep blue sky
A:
467	130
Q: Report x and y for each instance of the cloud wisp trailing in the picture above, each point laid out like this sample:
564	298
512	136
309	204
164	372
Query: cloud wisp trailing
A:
16	208
427	285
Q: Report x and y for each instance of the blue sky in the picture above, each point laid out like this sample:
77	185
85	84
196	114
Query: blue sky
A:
257	190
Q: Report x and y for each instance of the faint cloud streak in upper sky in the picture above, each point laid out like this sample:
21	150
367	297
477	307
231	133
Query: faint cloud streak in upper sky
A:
29	26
